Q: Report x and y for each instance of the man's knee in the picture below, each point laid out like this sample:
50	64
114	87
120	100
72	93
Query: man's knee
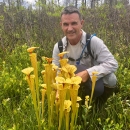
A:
110	80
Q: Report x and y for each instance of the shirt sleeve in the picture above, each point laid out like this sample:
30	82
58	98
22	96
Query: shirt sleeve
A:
105	61
55	55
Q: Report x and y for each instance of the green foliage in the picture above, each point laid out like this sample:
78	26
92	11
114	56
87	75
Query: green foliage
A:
10	75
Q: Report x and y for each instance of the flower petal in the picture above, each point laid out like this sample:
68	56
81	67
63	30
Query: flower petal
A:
78	98
67	104
62	54
76	80
28	70
44	86
60	79
31	49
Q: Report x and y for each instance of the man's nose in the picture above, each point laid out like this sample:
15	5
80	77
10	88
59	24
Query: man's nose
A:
70	27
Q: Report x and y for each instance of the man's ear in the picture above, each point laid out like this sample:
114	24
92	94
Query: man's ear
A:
60	23
82	22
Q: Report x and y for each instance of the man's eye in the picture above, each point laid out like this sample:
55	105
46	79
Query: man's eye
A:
74	23
65	24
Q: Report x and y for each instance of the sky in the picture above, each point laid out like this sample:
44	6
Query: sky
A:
33	1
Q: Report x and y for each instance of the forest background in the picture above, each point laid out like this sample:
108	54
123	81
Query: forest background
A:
22	27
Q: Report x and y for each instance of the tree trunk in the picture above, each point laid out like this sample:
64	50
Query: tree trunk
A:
76	3
92	3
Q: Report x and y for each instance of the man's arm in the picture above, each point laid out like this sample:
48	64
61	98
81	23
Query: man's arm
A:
105	62
84	75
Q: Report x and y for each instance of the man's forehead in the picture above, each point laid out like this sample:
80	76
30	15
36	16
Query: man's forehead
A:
73	17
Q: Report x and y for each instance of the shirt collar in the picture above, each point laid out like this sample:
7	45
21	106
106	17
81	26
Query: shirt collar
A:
83	38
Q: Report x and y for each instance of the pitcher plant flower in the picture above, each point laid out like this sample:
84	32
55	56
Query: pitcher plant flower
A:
94	77
43	92
62	96
28	70
77	108
62	54
49	60
76	113
31	49
73	94
68	70
52	99
62	89
30	81
75	81
48	81
57	104
67	108
54	71
43	75
60	86
33	58
63	84
86	101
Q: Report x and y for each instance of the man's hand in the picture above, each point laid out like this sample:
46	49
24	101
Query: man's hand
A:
84	75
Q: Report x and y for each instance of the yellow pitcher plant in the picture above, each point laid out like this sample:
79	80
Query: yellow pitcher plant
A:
67	108
33	58
43	92
30	79
49	80
94	77
60	86
70	82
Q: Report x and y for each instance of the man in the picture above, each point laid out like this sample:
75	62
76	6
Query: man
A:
74	42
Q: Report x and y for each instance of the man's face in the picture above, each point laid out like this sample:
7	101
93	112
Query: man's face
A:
71	26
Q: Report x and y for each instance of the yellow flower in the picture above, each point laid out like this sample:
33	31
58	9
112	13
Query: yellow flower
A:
54	86
68	110
65	82
43	72
54	66
87	98
76	80
28	70
62	54
31	49
60	86
94	72
68	81
60	79
78	98
49	60
44	86
63	62
75	87
64	69
77	105
67	104
86	101
71	69
94	77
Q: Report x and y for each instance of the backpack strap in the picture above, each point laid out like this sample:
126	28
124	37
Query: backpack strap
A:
60	46
88	40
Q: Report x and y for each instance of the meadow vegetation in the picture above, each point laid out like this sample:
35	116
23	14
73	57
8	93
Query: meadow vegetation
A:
23	28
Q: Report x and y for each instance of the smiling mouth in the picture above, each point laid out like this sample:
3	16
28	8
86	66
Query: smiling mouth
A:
72	33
